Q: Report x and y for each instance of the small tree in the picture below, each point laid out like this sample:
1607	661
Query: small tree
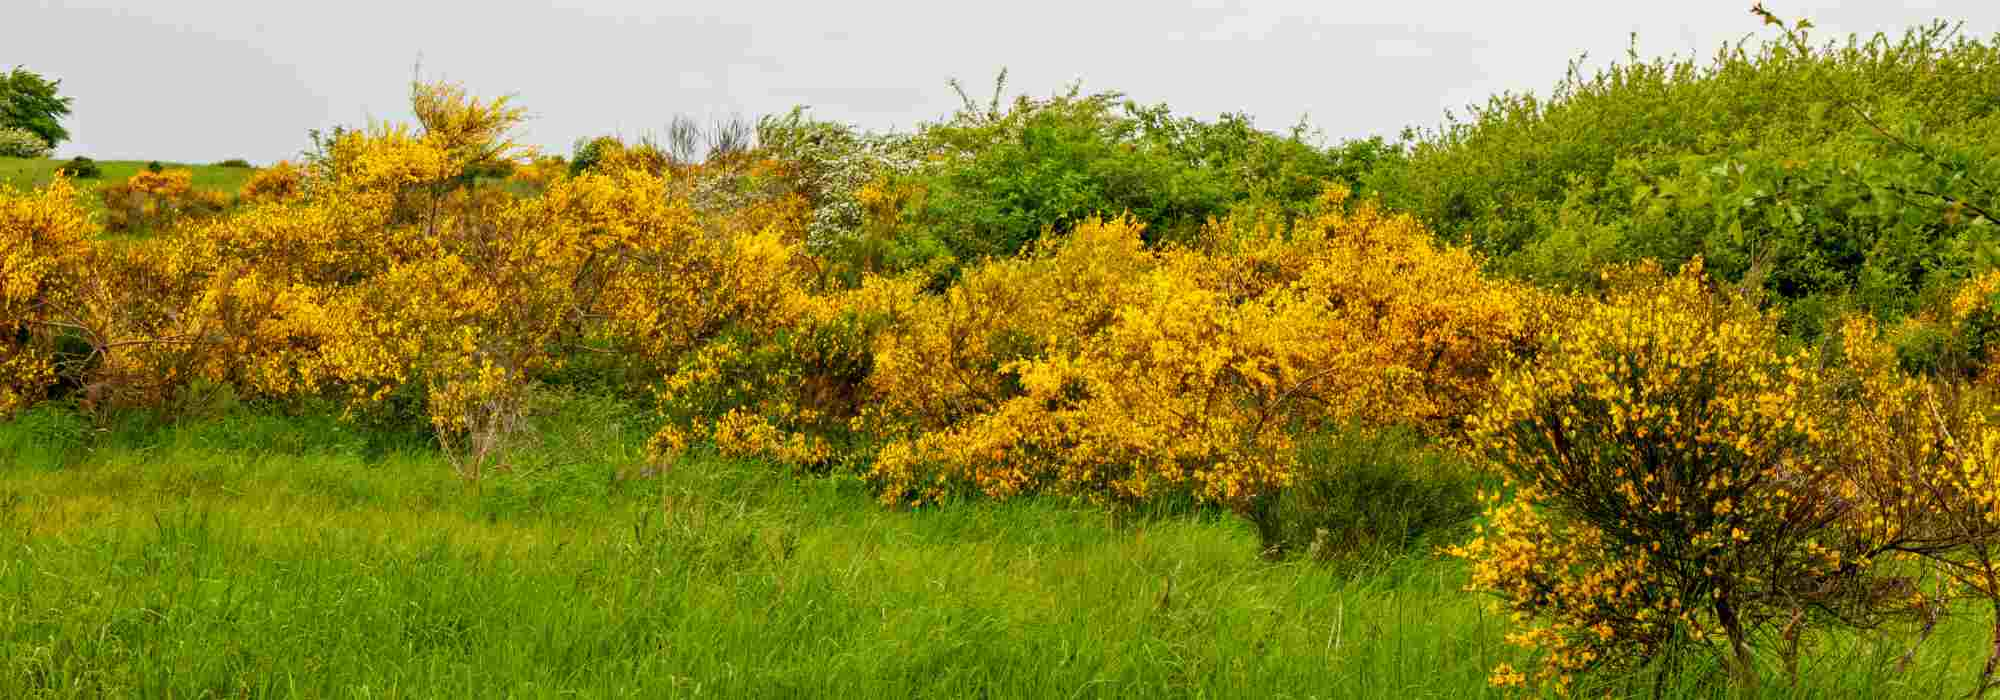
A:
29	101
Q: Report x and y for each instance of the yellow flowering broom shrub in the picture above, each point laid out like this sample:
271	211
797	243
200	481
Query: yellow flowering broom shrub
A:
150	200
1096	366
123	322
283	181
45	249
396	271
1412	330
1675	488
1923	455
752	360
1101	368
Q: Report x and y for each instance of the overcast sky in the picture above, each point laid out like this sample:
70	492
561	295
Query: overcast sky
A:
203	80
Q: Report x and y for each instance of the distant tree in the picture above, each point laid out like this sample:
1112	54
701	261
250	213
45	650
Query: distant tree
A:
29	101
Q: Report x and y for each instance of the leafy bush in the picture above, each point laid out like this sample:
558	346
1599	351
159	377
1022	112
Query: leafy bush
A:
845	177
234	163
1047	165
1811	171
22	143
82	168
992	178
1004	178
1364	494
607	154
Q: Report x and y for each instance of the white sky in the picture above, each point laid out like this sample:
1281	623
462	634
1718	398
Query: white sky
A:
199	81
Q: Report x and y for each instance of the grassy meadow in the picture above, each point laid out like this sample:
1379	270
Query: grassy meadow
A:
257	554
36	172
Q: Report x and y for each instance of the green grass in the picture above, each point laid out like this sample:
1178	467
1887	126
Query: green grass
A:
23	173
35	172
258	554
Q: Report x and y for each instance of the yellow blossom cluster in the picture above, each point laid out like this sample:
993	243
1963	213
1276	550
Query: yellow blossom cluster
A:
394	270
45	248
1103	368
152	199
282	182
1679	482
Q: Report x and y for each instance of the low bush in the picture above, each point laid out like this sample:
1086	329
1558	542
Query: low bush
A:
1683	488
1362	495
282	182
81	168
155	198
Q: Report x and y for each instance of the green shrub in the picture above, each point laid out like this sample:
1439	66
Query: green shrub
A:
81	168
594	155
1003	175
234	163
1809	169
1363	495
588	153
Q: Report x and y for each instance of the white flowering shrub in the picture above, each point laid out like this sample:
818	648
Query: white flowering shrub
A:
22	143
835	162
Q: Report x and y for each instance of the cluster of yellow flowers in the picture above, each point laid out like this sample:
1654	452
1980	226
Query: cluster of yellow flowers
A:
1678	481
45	246
151	199
1103	368
1644	443
284	181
